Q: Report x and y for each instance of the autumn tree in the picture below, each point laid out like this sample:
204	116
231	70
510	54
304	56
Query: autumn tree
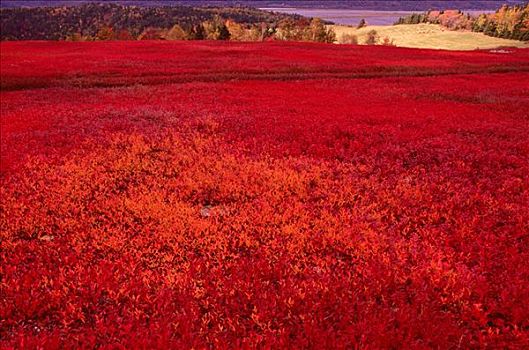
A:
319	32
288	29
176	33
237	31
105	33
216	29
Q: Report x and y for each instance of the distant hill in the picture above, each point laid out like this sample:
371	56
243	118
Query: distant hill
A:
103	21
381	5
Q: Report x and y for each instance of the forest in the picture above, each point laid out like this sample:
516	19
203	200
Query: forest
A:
94	22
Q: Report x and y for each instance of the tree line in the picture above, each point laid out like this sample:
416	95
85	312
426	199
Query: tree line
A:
91	22
220	29
508	22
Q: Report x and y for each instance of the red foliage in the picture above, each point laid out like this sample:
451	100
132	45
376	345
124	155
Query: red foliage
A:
226	195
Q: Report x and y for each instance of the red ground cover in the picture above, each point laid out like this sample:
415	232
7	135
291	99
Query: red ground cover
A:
263	195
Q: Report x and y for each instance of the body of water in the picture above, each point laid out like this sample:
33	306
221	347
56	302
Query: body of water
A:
346	17
352	17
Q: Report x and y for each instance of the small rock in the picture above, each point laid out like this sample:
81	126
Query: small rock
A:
46	238
209	211
500	51
205	212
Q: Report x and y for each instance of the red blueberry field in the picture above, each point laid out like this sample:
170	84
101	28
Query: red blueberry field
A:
263	195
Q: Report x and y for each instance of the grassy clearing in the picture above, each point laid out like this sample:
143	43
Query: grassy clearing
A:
429	36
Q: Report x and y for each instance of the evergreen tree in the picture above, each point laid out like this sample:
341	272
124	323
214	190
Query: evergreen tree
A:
197	32
362	24
224	33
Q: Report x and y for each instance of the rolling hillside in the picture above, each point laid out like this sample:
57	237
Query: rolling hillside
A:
430	36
